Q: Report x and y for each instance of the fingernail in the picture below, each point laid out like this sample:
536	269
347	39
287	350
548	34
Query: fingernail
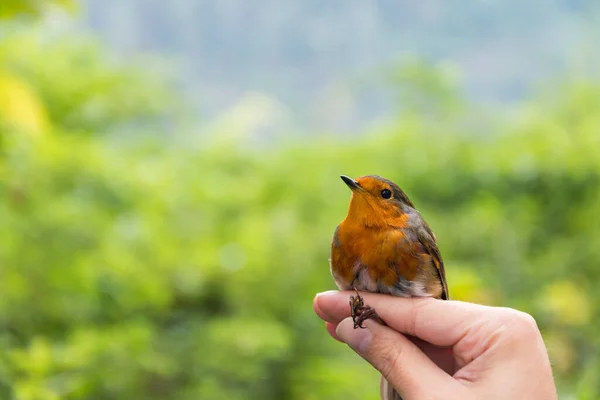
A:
322	309
359	339
327	293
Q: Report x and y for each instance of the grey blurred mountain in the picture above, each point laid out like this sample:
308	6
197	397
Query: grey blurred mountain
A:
323	60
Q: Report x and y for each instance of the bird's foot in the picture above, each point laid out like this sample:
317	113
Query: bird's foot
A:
360	312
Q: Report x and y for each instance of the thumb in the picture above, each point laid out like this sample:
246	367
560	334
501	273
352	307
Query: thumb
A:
404	365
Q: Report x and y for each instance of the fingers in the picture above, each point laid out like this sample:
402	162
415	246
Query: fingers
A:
318	303
442	323
404	366
331	327
443	357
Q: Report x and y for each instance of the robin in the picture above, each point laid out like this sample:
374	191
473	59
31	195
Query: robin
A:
384	246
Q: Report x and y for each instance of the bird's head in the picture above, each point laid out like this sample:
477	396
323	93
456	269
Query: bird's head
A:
376	200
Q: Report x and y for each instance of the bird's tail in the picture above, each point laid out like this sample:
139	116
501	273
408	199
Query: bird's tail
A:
387	391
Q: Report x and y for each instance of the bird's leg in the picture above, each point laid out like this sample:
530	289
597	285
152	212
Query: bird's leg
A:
360	312
356	306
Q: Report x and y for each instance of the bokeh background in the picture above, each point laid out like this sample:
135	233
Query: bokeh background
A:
169	183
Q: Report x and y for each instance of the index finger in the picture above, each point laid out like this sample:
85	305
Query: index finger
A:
440	322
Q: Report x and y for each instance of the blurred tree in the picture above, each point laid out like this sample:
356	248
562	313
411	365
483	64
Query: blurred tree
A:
20	107
73	84
423	89
168	272
11	8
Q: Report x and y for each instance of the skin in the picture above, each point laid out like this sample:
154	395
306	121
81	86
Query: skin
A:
446	349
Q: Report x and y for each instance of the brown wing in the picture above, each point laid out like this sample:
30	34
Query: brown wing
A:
427	238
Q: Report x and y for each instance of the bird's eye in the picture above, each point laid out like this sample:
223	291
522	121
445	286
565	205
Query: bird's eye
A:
386	194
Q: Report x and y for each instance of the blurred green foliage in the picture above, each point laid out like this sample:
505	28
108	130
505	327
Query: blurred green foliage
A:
12	8
147	269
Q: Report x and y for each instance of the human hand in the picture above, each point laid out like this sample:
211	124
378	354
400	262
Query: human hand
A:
434	349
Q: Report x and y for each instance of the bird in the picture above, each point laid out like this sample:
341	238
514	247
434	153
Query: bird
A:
384	246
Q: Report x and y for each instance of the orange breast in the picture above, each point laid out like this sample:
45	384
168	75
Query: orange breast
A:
384	254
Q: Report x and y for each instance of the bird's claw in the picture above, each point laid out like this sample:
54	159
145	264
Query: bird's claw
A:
360	312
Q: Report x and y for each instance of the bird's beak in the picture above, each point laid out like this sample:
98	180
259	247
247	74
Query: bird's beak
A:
352	184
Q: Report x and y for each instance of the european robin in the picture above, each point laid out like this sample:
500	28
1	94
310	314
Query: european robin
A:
385	246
